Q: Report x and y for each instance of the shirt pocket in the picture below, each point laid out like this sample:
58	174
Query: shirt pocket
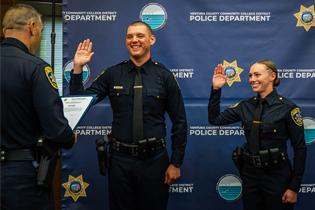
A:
155	100
120	98
273	131
119	92
156	93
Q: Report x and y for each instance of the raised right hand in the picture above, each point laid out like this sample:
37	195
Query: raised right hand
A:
82	56
219	78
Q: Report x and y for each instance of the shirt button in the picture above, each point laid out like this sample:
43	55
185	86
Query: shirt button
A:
117	94
275	130
158	97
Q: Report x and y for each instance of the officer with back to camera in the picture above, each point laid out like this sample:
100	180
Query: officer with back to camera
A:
30	108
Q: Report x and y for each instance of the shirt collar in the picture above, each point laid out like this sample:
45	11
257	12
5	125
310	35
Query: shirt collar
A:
270	98
145	67
15	42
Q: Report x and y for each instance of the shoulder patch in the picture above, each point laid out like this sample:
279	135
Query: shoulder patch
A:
296	116
234	105
50	76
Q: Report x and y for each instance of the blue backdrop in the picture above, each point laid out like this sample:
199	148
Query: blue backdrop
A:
192	38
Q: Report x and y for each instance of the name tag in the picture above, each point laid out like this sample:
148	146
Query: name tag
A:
118	87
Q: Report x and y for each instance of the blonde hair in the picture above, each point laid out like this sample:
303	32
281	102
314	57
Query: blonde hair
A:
18	16
272	67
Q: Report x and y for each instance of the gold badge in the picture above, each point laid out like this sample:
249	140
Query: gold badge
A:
305	17
232	71
296	116
75	187
50	76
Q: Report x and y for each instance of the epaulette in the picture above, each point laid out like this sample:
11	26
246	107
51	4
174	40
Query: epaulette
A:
123	62
284	100
119	64
253	99
159	64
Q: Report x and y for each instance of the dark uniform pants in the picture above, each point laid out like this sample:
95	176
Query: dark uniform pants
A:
19	190
263	188
136	184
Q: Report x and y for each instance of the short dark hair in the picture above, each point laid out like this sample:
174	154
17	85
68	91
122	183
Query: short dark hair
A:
271	66
140	22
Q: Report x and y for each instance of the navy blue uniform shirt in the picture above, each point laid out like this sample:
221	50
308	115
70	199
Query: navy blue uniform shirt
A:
281	120
30	103
160	94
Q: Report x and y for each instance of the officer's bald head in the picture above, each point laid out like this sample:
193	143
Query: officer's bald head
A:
19	16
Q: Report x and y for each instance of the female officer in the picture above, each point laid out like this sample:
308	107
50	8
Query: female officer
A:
269	120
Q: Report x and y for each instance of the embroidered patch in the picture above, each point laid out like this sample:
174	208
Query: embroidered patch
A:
234	105
50	76
296	116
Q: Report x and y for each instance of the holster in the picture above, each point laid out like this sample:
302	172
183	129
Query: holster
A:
47	156
237	157
102	149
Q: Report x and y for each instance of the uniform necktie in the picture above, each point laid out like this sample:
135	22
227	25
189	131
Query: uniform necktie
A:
254	140
137	124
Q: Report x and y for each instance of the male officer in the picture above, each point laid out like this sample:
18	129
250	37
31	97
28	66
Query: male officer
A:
140	92
30	108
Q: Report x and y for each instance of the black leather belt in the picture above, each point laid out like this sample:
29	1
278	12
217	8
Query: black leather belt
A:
265	158
18	154
143	149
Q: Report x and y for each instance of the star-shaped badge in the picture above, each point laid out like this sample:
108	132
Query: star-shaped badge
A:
232	71
75	187
305	17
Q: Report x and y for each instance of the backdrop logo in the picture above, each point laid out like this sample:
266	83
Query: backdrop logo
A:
229	187
309	130
232	72
69	66
75	187
305	17
155	15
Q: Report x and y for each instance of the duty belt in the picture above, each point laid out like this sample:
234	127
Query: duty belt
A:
143	149
265	158
18	154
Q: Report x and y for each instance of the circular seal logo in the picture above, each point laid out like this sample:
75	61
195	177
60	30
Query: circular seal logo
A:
154	15
229	187
307	17
230	72
75	187
69	66
309	130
